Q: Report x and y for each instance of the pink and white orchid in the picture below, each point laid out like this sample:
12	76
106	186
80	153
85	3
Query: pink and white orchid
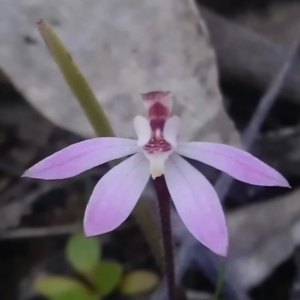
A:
157	152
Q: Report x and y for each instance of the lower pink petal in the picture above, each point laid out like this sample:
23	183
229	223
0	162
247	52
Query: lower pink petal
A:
238	163
197	204
115	195
80	157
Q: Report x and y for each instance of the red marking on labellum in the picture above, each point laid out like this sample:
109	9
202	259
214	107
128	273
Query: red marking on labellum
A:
155	145
157	142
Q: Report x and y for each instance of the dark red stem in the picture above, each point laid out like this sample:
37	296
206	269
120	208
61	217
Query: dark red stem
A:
164	200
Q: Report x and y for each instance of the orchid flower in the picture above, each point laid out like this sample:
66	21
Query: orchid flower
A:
157	152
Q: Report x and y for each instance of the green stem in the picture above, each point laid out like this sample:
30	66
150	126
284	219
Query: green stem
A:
220	281
76	81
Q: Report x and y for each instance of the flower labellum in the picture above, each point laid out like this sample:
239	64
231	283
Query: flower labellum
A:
157	152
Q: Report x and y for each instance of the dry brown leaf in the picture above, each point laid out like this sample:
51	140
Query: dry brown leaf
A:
123	47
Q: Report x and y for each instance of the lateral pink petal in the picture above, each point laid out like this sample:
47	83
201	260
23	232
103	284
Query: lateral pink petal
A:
80	157
197	204
240	164
115	195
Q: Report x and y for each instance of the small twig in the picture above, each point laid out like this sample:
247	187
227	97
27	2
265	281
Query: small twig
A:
47	186
197	295
247	58
25	233
268	100
14	192
43	189
225	182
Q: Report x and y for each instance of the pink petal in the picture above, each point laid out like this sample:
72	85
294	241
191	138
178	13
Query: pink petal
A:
239	164
197	204
115	195
80	157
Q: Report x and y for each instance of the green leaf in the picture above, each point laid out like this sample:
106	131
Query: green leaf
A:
75	80
107	276
75	295
51	286
83	253
138	282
